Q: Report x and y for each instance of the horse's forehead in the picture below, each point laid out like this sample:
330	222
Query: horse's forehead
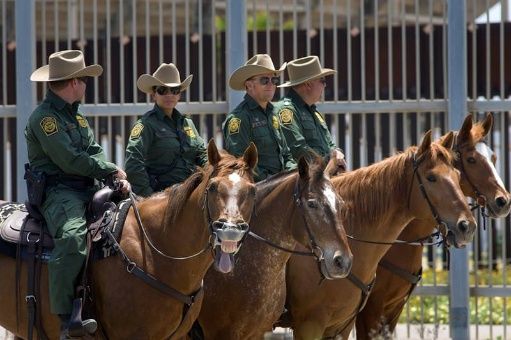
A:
487	153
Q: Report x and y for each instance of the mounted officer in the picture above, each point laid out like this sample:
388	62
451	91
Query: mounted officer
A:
62	149
164	146
254	120
304	127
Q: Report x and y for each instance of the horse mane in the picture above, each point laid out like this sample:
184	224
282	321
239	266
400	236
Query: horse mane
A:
366	190
267	185
179	194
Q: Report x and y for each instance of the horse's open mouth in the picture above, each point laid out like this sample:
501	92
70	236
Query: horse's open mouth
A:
228	240
451	240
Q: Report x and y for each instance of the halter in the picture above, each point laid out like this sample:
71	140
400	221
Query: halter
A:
315	249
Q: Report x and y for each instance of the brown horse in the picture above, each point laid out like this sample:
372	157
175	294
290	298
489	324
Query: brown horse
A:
380	201
290	207
399	269
175	223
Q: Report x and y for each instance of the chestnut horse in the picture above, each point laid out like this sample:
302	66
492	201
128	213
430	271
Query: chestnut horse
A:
400	268
290	207
380	201
175	223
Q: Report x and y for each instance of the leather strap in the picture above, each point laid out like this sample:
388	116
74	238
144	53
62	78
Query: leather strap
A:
405	275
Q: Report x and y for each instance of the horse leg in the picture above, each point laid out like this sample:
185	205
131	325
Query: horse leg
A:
370	320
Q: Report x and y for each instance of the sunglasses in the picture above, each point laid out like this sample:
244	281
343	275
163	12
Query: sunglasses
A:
322	81
163	90
83	80
267	80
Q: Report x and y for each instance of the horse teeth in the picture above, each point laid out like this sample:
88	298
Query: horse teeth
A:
228	246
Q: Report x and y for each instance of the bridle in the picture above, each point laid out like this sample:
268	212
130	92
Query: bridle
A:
315	250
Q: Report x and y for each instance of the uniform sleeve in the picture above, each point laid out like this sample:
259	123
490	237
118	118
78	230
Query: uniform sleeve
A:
202	156
293	133
237	137
289	162
140	140
57	144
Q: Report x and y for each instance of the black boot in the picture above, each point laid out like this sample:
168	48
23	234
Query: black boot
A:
75	331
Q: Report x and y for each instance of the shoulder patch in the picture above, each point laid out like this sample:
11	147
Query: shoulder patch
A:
320	117
49	125
286	116
234	125
82	121
275	122
189	131
137	130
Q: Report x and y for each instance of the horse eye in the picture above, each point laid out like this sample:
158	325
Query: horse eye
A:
312	203
431	178
213	187
471	160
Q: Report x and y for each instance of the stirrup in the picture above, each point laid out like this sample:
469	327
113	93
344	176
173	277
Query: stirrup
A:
87	326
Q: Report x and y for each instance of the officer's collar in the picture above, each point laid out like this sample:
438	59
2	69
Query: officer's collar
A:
252	104
161	115
56	101
297	99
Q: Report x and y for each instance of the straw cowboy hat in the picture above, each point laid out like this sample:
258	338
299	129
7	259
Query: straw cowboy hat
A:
64	65
305	69
166	75
258	64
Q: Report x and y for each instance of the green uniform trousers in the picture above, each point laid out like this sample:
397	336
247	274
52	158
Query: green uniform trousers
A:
64	212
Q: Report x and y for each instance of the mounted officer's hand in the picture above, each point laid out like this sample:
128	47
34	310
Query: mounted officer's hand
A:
124	186
120	174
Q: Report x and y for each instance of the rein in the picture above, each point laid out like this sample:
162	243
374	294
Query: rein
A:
418	242
153	247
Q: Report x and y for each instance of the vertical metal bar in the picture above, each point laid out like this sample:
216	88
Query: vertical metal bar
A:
268	37
321	33
24	12
474	51
236	46
108	35
308	27
82	27
501	48
213	49
444	54
70	21
187	44
336	60
254	27
174	33
457	106
487	50
4	58
160	30
417	53
147	39
281	44
201	56
362	53
95	45
377	54
134	48
348	37
122	80
430	41
403	51
56	26
295	31
390	40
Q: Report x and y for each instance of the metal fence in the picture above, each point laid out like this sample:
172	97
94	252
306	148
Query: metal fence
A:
392	59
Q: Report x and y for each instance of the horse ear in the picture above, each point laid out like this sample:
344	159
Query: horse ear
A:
303	168
464	133
250	156
425	144
213	154
487	124
448	140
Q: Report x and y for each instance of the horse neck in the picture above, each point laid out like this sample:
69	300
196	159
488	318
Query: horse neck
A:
275	210
376	201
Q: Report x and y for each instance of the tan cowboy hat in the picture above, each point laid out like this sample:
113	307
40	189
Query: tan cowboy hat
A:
305	69
258	64
165	75
64	65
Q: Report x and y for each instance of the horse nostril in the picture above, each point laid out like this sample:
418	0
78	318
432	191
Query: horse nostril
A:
343	262
501	202
463	226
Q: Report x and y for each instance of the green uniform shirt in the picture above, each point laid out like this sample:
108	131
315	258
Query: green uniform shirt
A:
60	141
250	123
162	148
304	127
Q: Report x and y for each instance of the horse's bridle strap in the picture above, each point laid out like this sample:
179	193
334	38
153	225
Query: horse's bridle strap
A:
404	274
